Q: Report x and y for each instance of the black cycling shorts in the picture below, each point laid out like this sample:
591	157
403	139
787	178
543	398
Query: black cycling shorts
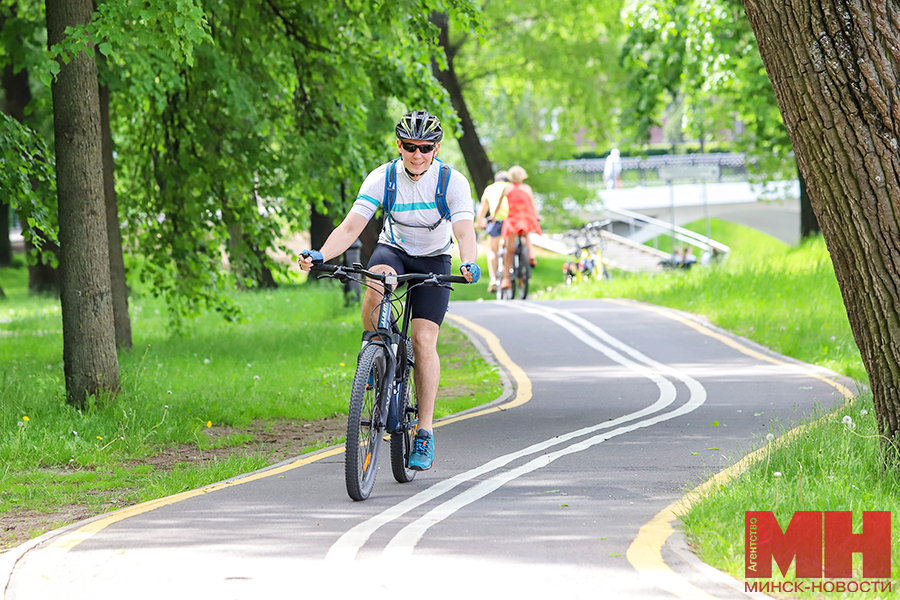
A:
427	301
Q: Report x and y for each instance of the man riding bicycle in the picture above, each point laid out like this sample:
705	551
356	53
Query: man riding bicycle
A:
416	238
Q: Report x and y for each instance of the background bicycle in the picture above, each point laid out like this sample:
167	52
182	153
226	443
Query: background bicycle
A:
588	254
519	273
382	397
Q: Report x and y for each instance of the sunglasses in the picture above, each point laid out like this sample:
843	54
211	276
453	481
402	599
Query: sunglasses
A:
411	148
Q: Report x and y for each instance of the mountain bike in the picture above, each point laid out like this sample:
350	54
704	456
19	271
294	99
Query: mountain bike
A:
519	273
589	262
383	397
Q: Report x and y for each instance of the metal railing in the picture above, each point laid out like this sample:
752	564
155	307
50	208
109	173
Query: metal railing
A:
645	170
685	236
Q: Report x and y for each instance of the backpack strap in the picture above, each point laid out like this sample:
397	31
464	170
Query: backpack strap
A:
390	186
440	192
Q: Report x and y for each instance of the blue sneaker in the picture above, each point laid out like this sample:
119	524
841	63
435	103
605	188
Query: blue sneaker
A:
423	452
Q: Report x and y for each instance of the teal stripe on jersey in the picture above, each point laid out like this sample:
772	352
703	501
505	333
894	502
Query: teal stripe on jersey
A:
368	199
415	206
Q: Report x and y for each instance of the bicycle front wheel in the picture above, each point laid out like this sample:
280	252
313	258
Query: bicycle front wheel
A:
402	441
365	422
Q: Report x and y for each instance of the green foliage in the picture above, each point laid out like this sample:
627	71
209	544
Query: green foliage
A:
702	56
540	78
27	180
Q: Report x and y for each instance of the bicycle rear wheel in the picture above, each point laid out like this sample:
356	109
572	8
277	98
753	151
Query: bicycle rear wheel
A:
523	271
365	423
402	442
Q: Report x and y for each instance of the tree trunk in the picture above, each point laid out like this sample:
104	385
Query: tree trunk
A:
5	244
477	161
118	281
17	97
809	225
89	347
834	68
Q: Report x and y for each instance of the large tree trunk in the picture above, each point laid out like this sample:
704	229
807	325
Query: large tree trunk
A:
480	168
89	347
117	279
834	68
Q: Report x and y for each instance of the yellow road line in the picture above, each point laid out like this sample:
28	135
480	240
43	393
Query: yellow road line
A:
523	395
645	553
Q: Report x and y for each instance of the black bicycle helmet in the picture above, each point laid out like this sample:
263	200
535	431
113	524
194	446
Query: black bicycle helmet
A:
420	125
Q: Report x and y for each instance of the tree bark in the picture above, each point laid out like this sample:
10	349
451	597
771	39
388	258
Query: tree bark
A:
89	349
809	225
834	69
117	278
477	161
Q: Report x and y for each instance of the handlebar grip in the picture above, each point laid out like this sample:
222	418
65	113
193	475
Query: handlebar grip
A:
452	279
325	267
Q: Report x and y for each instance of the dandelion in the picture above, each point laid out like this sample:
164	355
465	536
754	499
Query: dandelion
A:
256	377
205	361
75	433
99	437
342	364
848	421
25	418
208	424
769	437
169	392
777	473
21	424
249	365
863	412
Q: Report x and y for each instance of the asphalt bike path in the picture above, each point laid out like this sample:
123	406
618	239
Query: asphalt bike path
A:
614	410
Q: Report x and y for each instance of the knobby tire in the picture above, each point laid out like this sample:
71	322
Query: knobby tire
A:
364	436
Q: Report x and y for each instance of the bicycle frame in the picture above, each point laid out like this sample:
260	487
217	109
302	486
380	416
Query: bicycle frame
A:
392	341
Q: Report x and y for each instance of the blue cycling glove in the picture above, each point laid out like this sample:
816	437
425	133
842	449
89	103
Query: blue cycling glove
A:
315	255
474	269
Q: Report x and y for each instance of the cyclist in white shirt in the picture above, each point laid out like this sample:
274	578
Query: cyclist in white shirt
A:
416	238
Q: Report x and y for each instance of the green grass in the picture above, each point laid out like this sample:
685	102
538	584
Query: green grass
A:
291	358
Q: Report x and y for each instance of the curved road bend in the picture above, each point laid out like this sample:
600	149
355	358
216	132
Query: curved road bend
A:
623	407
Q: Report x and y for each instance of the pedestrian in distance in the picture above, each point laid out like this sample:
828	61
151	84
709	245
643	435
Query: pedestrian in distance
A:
491	213
521	219
421	220
612	170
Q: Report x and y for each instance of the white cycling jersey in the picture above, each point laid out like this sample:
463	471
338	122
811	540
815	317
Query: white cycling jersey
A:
415	209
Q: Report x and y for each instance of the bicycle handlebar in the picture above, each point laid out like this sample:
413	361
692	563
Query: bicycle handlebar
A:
341	271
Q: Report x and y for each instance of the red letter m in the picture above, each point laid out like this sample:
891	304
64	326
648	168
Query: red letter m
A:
803	540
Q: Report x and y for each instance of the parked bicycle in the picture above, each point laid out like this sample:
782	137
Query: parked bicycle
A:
519	273
383	397
589	262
